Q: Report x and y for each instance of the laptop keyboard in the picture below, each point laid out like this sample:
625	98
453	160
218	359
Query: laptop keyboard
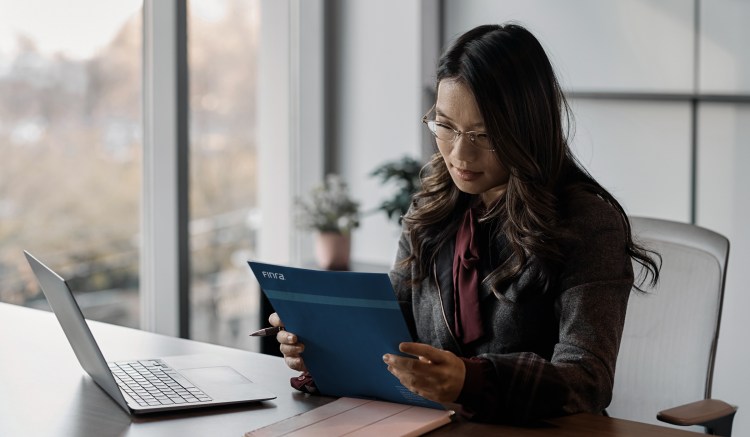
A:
153	383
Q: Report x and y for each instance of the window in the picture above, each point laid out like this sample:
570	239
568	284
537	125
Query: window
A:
70	138
223	70
83	186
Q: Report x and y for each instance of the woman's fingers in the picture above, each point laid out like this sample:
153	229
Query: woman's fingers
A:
292	354
274	320
288	345
422	351
292	350
405	363
295	363
435	374
286	337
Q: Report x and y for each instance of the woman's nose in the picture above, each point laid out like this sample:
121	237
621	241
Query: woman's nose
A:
463	149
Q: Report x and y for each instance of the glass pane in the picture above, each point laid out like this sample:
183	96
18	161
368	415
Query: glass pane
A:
724	61
222	53
70	141
595	45
639	151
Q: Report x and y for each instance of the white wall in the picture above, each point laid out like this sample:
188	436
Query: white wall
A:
725	60
377	106
617	45
290	126
275	133
641	149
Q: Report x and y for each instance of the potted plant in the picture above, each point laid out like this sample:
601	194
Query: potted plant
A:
332	214
405	173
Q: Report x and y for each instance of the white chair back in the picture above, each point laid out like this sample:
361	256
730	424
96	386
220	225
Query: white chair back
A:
669	343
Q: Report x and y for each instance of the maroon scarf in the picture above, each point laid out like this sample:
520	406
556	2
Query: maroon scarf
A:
467	318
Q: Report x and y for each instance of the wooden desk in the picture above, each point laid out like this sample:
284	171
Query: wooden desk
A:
44	391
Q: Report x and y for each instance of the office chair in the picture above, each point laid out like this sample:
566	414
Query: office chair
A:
668	347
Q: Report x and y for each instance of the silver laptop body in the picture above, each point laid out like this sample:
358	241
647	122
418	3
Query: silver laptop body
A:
150	385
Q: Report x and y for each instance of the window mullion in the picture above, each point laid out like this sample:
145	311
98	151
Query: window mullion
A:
164	233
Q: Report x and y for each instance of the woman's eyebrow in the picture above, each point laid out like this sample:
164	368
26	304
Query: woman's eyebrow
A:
442	114
478	125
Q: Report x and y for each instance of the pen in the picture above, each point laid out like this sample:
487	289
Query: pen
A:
265	332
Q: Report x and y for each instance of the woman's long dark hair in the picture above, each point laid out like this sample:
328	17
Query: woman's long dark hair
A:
523	107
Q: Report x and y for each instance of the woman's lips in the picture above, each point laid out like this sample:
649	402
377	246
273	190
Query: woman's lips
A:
467	175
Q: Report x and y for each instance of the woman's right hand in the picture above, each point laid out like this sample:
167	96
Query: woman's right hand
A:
288	345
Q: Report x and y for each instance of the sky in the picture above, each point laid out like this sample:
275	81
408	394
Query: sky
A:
76	28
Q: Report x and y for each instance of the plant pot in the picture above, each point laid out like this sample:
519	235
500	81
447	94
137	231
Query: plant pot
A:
332	250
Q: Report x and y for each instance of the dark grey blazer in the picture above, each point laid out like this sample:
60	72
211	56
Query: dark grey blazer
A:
552	353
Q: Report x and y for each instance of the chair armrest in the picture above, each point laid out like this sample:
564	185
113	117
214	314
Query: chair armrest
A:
697	413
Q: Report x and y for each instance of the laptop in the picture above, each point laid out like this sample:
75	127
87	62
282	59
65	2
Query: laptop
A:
145	385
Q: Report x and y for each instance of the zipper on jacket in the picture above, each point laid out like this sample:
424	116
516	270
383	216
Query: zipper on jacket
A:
442	309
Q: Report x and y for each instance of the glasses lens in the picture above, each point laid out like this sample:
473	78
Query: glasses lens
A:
480	140
441	131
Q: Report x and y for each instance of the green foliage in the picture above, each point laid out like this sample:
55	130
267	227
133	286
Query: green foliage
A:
329	208
405	173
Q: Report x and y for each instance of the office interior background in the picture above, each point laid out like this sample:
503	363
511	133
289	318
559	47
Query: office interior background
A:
152	151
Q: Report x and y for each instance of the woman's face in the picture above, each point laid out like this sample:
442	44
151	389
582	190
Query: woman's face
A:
473	170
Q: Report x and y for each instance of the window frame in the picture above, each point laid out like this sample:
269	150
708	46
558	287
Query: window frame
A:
164	265
289	162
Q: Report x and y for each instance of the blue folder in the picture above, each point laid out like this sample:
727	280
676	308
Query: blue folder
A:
347	321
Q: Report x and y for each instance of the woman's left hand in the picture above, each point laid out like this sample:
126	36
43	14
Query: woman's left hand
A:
435	374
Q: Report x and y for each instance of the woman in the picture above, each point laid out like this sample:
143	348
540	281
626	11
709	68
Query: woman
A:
514	263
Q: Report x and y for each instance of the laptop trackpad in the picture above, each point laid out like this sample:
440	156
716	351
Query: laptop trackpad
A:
214	376
216	379
221	383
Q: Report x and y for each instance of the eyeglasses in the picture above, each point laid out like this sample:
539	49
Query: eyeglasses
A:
444	132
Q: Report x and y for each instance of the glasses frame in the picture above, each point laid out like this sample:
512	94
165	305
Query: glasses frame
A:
472	135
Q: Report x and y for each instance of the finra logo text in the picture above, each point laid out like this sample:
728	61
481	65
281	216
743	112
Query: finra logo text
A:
272	275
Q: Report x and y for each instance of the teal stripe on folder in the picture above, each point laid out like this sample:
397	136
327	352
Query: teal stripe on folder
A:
332	300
